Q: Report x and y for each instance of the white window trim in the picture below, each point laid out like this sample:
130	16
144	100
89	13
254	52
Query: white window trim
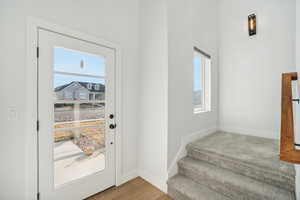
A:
206	82
97	86
82	96
89	86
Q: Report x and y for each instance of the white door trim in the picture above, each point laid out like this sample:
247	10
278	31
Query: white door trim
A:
33	24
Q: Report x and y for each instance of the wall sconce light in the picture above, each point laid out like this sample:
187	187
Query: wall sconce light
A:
252	24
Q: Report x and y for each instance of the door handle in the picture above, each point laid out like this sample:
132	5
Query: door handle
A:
112	126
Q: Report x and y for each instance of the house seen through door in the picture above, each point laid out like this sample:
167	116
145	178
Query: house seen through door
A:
76	106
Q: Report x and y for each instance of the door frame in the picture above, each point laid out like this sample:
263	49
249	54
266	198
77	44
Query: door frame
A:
31	114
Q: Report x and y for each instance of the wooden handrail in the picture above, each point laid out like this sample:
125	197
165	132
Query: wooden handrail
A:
288	152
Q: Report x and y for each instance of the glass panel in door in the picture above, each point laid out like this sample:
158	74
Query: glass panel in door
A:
79	115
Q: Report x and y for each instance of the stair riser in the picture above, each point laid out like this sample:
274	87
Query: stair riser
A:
244	169
177	195
183	188
226	189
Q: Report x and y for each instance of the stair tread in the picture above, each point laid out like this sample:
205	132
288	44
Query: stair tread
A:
239	182
256	151
192	190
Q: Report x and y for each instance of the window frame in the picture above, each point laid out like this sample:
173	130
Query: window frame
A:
205	81
91	96
82	96
89	86
97	86
68	95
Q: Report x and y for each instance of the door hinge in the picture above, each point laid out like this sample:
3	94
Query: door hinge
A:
37	52
38	196
37	125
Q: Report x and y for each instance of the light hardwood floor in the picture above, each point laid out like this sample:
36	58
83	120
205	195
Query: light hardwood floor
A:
136	189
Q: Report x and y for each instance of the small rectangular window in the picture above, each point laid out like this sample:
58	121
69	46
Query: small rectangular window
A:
91	97
82	96
202	73
68	95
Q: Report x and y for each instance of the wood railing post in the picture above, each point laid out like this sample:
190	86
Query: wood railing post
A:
288	152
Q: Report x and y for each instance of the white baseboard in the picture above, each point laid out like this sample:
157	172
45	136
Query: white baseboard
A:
127	177
251	132
158	181
173	169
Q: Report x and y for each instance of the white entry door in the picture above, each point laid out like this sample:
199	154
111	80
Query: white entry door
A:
76	106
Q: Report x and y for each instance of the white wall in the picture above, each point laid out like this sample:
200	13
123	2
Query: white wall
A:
297	46
297	60
153	88
12	146
169	31
113	20
190	23
250	68
297	107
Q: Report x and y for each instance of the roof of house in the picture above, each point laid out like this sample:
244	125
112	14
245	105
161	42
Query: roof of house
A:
92	88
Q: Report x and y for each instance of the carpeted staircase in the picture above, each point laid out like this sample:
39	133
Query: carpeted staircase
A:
227	166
